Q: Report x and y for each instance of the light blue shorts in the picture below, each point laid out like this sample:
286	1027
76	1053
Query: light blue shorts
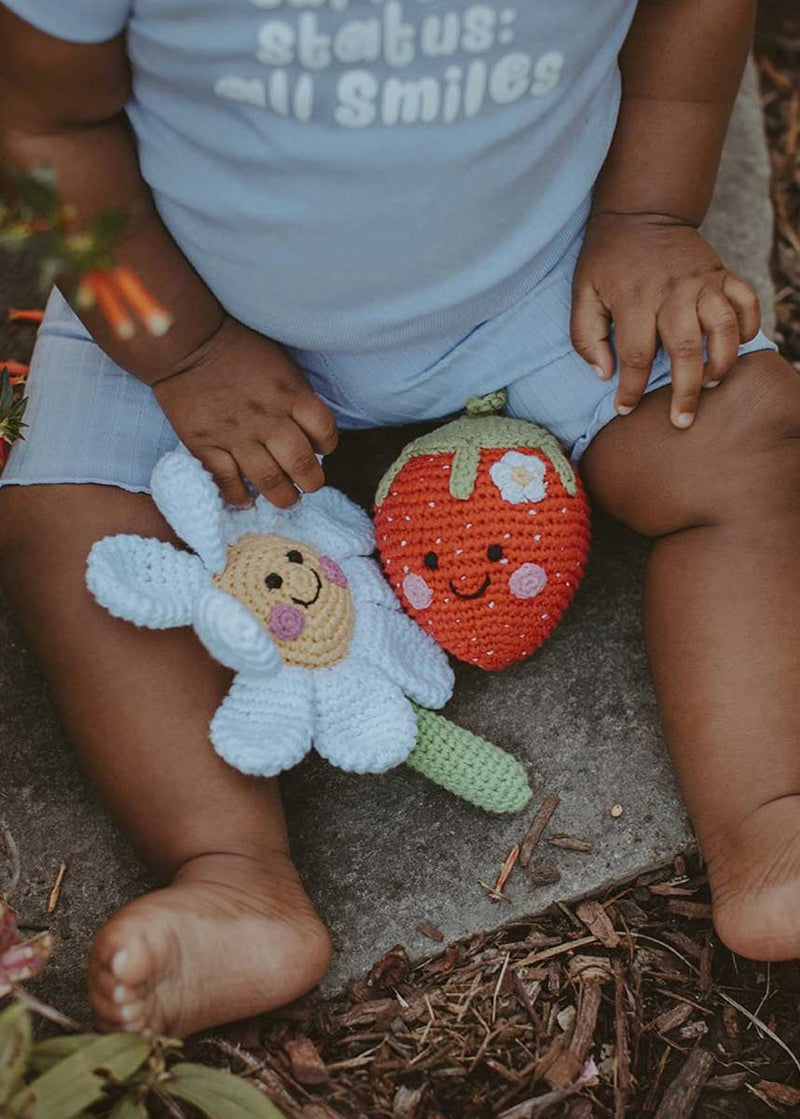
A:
89	421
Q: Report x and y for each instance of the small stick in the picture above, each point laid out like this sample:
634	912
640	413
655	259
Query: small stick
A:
46	1011
622	1070
534	833
506	869
55	893
680	1098
761	1025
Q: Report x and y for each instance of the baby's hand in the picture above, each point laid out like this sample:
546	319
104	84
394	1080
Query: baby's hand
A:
243	408
656	279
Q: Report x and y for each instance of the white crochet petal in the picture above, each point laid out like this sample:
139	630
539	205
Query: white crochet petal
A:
367	583
188	498
234	636
145	581
331	523
410	657
363	723
264	726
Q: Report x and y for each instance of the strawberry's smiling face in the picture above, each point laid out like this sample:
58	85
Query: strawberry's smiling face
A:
488	577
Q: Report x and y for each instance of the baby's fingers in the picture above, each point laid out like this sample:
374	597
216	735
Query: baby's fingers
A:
590	325
317	421
682	338
226	474
635	337
721	328
268	477
292	451
745	303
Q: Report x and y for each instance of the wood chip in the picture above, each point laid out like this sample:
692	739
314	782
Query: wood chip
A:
623	1080
570	843
671	1019
732	1082
566	1069
779	1093
365	1013
429	930
544	874
530	840
55	893
307	1065
406	1102
680	1098
390	969
597	921
694	910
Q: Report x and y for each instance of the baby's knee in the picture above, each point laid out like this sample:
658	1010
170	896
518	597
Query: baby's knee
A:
759	471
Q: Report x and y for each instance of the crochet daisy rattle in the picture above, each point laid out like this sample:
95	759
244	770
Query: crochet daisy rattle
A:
322	651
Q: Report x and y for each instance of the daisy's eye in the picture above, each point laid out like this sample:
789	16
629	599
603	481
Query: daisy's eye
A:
274	581
294	556
494	552
431	561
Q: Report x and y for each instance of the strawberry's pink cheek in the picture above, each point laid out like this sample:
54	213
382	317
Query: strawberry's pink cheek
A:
417	592
528	581
332	572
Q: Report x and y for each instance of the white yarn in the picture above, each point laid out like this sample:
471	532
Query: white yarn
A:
356	710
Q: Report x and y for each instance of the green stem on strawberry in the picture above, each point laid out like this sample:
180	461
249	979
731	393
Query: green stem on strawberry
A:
467	765
465	438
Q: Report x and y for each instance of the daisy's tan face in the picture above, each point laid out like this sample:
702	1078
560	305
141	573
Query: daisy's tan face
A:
300	596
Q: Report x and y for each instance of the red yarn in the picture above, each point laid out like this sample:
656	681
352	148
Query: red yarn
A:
424	532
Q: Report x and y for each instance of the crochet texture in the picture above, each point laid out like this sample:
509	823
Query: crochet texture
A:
293	603
483	529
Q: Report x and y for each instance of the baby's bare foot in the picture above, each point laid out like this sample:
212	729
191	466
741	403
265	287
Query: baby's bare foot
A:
230	938
755	881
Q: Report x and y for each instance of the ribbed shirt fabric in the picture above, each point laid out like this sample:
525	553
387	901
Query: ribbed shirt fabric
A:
355	174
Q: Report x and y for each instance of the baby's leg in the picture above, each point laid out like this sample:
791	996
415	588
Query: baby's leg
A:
234	934
722	614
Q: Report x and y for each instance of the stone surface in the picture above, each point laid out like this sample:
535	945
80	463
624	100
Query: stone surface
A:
382	854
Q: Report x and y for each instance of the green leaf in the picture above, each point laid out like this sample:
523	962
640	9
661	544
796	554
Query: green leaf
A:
130	1108
37	191
79	1081
45	1054
219	1094
15	1045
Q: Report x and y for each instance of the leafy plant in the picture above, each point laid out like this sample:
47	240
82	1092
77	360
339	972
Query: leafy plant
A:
120	1076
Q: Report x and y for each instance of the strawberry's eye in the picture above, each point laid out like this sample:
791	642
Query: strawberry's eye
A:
274	581
294	556
431	561
494	552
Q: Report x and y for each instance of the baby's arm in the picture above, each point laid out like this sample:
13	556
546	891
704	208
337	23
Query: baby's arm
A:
233	396
644	266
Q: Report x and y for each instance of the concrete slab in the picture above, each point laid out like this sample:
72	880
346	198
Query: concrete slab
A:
382	854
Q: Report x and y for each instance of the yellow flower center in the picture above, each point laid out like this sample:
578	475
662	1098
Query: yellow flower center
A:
301	597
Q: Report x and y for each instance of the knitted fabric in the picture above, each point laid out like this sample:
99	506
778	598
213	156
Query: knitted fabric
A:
468	766
291	601
483	530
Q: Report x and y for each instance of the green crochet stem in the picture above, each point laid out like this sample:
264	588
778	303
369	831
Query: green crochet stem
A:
468	766
480	429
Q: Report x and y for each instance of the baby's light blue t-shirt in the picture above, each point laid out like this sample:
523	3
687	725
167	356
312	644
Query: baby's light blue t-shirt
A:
352	174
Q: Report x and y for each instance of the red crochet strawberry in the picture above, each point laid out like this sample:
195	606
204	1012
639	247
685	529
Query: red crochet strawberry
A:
483	530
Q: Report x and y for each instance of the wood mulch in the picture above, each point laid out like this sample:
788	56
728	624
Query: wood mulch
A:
622	1006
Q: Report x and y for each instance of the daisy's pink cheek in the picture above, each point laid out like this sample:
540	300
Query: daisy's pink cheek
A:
286	623
528	581
332	572
417	591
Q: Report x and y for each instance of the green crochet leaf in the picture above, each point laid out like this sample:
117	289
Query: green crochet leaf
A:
467	765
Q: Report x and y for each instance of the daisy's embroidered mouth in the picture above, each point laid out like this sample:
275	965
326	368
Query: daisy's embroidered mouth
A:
311	601
482	589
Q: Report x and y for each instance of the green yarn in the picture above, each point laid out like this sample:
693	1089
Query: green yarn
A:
468	766
490	405
467	436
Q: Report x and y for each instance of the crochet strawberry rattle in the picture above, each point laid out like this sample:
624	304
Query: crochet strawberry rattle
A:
483	530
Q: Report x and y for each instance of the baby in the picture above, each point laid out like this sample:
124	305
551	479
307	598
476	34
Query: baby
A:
361	212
